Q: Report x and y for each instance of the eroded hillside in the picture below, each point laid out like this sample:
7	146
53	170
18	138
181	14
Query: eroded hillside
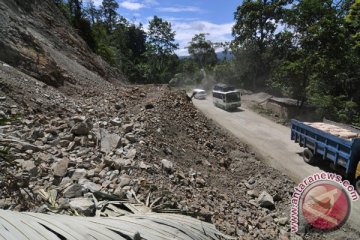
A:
37	39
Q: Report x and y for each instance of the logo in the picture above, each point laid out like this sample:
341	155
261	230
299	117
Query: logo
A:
326	206
322	201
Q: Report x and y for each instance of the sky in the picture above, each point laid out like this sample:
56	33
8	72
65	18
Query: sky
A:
187	17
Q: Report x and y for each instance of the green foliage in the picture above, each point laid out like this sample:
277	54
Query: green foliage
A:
225	72
64	8
161	61
91	13
161	38
202	50
315	58
254	33
109	13
353	23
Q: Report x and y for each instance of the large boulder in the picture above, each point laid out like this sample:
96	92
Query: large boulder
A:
109	142
84	206
265	200
60	168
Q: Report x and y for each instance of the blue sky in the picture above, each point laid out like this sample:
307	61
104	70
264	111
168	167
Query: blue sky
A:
187	17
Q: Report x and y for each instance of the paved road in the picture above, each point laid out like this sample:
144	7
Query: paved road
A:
270	141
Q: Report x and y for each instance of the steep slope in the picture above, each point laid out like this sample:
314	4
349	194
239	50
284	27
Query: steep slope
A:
37	39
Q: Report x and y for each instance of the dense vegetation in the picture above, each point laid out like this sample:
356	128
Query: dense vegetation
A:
308	50
143	57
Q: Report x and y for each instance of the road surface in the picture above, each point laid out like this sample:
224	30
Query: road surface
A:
270	141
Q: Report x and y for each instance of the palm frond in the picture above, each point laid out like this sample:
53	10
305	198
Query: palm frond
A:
38	226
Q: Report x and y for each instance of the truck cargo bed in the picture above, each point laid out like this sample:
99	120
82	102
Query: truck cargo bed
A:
339	145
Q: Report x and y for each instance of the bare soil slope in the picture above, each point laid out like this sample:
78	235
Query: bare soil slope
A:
36	38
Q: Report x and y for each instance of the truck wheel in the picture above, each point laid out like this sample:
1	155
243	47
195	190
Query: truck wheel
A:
309	156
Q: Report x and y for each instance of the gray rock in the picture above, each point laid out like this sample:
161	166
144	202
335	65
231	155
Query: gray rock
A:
81	128
110	142
71	146
106	183
120	105
282	221
64	143
116	122
124	142
65	181
295	237
124	180
206	163
167	151
2	114
78	174
68	136
120	163
60	168
143	165
74	190
240	232
92	187
84	206
265	200
200	181
30	167
78	119
91	173
119	191
253	193
128	127
117	163
249	186
5	203
267	218
167	165
37	133
131	137
251	180
131	154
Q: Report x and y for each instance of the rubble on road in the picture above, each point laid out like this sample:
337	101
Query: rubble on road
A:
115	147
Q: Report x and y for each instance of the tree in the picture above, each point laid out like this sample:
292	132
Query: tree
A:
161	38
75	12
255	25
353	24
92	13
318	64
202	50
129	40
256	22
160	54
137	41
109	8
79	22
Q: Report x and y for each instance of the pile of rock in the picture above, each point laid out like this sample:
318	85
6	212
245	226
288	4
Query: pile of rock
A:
141	144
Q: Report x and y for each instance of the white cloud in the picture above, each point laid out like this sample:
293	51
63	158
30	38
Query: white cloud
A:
186	31
97	2
179	19
151	2
131	5
179	9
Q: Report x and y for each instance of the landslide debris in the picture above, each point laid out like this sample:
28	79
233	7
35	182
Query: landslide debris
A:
140	144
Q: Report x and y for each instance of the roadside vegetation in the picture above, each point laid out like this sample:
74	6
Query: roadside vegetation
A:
308	50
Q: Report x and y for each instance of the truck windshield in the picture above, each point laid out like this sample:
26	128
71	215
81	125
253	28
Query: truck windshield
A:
232	97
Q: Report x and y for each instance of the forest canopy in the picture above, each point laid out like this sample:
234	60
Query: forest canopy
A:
308	50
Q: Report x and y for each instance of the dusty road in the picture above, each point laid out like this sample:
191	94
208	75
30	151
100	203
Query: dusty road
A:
270	141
